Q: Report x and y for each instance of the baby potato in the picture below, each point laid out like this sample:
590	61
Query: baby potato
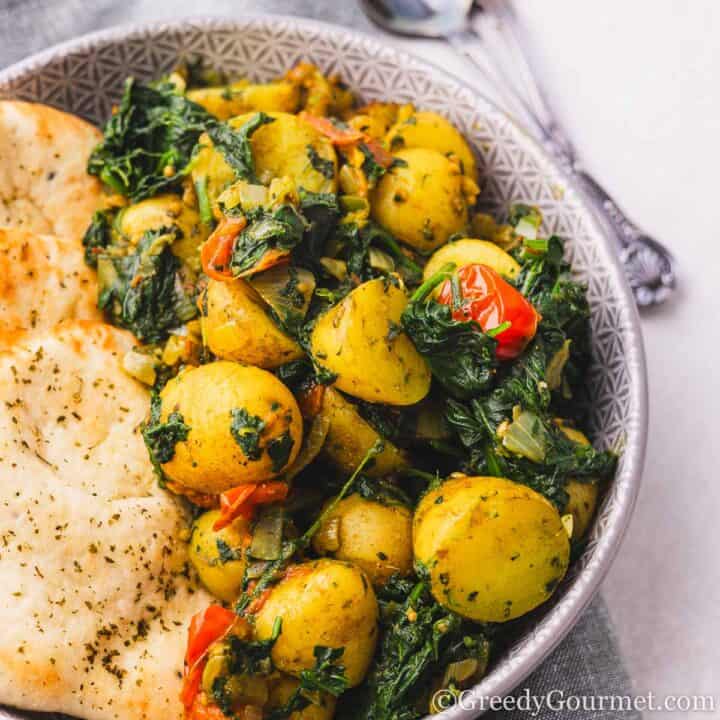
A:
324	602
285	147
241	97
426	129
221	573
494	549
374	536
133	221
468	251
357	339
582	496
424	201
350	437
236	326
282	688
244	426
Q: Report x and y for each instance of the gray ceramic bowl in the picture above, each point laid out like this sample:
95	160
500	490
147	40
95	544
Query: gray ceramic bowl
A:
85	77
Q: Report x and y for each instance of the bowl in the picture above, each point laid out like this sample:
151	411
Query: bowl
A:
85	77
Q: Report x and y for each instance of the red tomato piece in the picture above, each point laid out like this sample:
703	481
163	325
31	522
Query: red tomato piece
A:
491	302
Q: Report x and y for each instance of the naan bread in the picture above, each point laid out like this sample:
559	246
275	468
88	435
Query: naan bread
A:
43	280
95	595
44	185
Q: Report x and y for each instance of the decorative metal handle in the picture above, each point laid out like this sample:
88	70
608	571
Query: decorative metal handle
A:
649	266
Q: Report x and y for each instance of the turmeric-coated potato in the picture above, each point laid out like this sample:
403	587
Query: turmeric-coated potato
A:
165	211
226	101
282	689
582	496
236	325
243	425
287	146
350	437
360	340
468	251
324	602
424	199
376	537
494	549
426	129
217	555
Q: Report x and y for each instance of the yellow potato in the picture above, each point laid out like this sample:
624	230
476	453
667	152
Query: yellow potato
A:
162	211
244	426
374	119
324	602
350	437
582	496
221	573
283	688
425	201
374	536
236	326
429	130
242	97
358	340
280	148
467	251
494	549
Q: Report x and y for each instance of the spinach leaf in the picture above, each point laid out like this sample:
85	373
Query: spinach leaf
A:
322	213
97	237
148	143
327	676
235	145
461	357
281	229
161	437
246	430
147	291
279	450
419	639
324	166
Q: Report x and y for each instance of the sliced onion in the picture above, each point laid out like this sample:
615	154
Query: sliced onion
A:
312	445
272	286
267	534
526	436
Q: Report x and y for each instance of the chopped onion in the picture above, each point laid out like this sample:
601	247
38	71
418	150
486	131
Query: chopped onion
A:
526	436
267	534
568	522
554	370
140	365
287	290
380	260
336	268
312	445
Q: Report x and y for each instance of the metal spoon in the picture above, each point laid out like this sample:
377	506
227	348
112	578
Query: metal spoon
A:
649	266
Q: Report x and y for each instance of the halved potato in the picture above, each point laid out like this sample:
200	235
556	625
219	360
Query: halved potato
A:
424	199
426	129
236	325
285	147
495	549
241	97
468	251
241	425
359	340
350	437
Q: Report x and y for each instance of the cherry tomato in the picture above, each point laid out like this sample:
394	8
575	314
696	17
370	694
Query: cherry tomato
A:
216	252
491	302
206	627
243	499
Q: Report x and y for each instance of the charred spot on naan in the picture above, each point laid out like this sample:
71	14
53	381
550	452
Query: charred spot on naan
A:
43	281
44	185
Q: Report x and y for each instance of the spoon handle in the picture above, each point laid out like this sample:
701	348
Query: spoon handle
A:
649	266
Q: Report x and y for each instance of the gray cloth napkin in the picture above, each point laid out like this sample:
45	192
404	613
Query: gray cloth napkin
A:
587	664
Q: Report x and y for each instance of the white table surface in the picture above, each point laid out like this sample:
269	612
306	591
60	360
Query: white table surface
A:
637	84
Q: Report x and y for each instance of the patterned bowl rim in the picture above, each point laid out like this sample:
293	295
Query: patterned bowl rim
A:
563	615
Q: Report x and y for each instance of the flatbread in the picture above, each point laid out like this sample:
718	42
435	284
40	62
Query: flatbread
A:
44	185
95	592
43	281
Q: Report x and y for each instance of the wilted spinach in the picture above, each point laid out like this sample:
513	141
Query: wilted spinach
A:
146	291
148	143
